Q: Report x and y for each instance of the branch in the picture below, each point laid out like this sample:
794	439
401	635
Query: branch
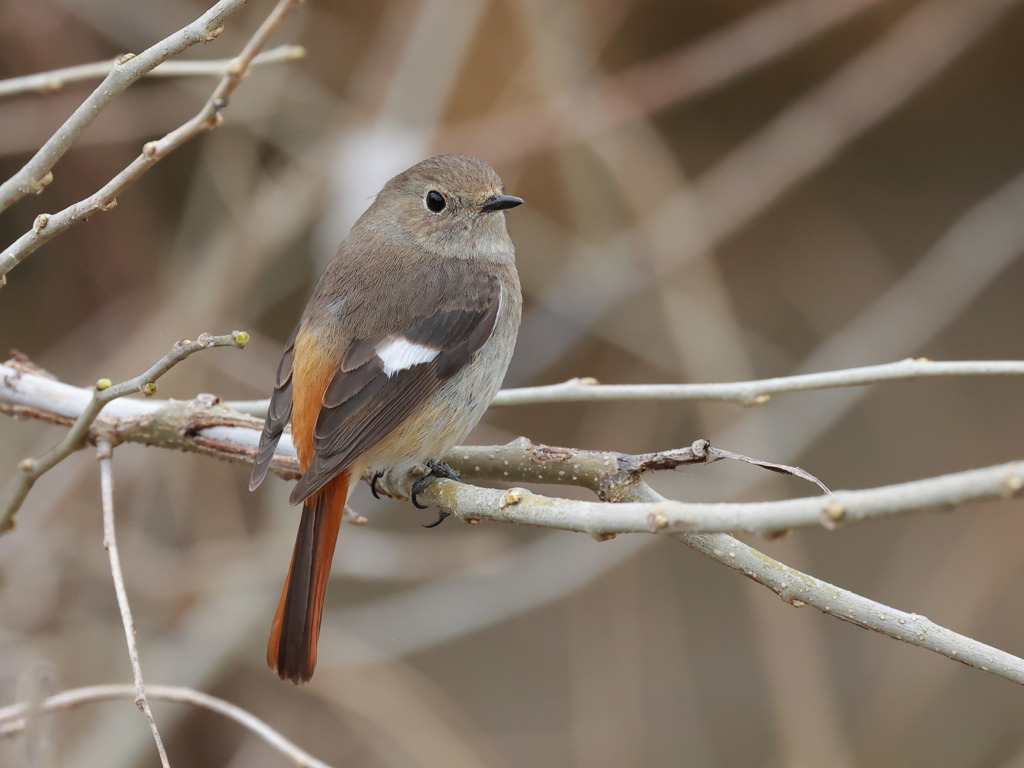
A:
614	477
104	452
756	392
127	69
32	469
47	226
618	478
54	80
14	718
793	586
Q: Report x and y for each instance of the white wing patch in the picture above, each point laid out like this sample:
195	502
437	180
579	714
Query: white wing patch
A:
400	354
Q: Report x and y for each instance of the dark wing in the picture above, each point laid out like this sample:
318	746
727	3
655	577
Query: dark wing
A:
278	414
367	399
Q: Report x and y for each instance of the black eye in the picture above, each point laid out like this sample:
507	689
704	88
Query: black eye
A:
435	201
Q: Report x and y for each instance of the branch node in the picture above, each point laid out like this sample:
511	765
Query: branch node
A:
150	150
27	465
124	58
35	186
40	222
832	514
1013	485
204	340
237	67
213	33
603	536
656	521
109	204
511	497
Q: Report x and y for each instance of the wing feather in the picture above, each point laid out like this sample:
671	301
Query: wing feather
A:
363	404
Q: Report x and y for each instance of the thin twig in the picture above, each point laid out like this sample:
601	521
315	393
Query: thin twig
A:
756	40
47	226
54	80
759	391
104	452
13	717
36	173
104	392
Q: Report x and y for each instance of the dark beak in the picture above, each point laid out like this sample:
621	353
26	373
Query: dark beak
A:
500	203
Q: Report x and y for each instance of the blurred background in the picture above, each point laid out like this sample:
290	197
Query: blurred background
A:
715	191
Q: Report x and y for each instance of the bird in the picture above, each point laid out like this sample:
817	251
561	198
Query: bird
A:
402	346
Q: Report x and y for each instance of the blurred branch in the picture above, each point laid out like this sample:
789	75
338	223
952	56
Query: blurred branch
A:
104	452
811	132
13	718
755	392
127	69
48	226
104	392
755	40
54	80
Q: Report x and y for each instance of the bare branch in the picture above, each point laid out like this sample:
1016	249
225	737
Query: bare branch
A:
614	478
54	80
793	586
127	69
104	452
32	469
13	718
618	478
755	392
47	226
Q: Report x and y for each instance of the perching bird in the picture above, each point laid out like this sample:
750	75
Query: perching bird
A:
400	350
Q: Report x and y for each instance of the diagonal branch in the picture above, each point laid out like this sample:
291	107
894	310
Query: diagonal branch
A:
47	226
127	69
32	469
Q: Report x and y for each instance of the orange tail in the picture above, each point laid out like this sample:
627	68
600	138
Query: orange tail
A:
291	651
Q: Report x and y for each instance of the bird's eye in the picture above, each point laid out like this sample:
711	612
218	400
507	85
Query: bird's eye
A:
435	201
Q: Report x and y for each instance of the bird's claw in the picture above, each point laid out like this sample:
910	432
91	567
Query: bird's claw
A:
373	483
438	469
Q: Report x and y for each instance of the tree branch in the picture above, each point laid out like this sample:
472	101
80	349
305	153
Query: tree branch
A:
755	392
104	453
54	80
618	478
35	175
127	69
104	392
14	718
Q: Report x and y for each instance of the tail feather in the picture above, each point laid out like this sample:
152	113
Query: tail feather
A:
291	651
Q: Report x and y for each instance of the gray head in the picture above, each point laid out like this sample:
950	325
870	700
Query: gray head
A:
449	205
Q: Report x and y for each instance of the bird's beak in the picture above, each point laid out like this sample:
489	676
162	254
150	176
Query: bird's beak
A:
500	203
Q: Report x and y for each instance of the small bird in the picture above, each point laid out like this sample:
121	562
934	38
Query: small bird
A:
400	350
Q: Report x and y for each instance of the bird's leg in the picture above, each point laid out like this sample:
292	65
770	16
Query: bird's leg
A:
438	469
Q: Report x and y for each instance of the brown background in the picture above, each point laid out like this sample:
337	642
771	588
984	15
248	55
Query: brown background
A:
847	201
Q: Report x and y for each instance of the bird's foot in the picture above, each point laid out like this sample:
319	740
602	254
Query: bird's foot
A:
438	469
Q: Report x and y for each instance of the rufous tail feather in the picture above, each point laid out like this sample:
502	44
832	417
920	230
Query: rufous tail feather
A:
291	651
